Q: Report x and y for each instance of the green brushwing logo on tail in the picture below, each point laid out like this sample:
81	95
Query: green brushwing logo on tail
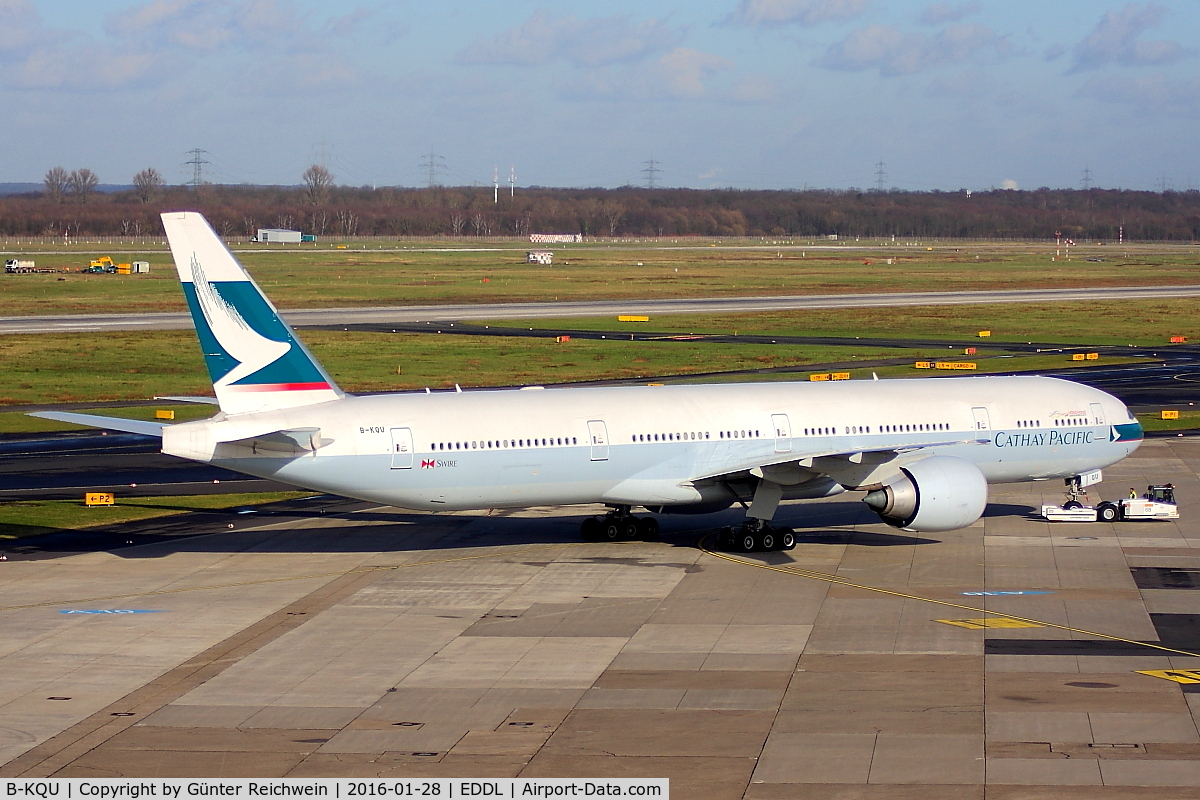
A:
246	346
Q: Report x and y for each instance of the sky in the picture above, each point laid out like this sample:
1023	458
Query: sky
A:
750	94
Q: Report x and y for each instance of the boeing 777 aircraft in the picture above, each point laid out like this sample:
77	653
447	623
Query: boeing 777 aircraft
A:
925	450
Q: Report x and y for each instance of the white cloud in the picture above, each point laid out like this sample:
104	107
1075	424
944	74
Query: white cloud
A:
207	24
686	71
801	12
1054	52
682	74
160	40
34	56
941	13
1116	40
1157	92
894	52
1009	184
970	84
585	42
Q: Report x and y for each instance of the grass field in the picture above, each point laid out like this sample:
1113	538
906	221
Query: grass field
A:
1188	420
1144	322
321	277
32	517
138	366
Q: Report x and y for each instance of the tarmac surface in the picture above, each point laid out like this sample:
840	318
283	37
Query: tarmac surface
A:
367	641
95	323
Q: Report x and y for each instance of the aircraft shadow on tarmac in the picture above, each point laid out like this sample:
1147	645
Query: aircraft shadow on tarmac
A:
362	528
374	530
1010	510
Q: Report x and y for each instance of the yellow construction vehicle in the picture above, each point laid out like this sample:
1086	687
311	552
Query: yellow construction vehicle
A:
102	264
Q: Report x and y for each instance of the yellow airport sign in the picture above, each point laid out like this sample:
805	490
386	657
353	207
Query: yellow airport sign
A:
956	365
923	365
840	376
821	377
1077	356
632	318
984	334
1093	356
164	413
1165	414
98	499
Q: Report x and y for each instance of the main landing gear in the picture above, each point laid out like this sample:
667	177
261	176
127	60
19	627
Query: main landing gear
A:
755	535
618	525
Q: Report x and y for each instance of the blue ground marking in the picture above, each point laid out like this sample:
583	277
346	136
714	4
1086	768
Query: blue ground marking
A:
1001	594
112	611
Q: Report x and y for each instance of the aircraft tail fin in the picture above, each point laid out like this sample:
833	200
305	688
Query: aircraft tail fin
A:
254	358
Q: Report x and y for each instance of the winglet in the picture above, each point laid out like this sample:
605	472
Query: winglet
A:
254	359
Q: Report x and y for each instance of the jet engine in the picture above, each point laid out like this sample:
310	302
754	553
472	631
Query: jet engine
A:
940	493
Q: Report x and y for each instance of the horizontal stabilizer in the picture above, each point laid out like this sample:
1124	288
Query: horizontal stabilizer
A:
212	401
285	441
143	427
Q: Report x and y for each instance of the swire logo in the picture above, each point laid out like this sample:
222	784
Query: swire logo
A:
428	464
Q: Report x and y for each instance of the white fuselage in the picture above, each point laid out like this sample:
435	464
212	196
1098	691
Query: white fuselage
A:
664	445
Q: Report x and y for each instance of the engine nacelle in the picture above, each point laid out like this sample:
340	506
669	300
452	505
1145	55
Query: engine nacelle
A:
939	493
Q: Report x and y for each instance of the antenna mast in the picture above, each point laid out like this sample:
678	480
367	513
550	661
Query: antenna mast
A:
435	165
651	172
197	163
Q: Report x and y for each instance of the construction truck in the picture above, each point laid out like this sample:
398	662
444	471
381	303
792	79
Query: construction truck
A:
15	266
105	264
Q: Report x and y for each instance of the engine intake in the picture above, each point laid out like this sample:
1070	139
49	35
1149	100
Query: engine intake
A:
940	493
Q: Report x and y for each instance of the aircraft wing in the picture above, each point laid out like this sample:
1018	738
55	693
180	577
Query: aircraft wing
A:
143	427
791	468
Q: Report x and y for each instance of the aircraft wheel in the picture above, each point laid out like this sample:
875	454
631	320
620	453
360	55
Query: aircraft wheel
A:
590	529
748	542
1070	504
1107	512
787	539
611	530
629	529
648	528
768	540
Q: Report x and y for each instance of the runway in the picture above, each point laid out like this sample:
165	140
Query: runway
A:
547	310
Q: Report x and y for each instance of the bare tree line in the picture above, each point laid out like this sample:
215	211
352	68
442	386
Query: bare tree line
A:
70	203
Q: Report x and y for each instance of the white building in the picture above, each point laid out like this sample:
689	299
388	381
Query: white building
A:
277	235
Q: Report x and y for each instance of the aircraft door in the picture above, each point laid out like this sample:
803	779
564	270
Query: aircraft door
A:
1097	414
598	435
983	422
402	448
783	433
